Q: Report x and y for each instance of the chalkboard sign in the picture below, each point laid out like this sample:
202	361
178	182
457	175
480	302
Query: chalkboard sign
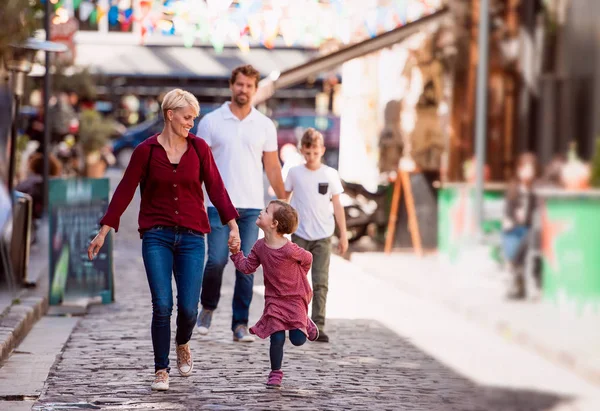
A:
75	207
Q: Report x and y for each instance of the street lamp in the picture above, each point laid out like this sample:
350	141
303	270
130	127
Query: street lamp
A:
19	61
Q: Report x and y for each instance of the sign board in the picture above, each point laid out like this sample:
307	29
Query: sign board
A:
75	207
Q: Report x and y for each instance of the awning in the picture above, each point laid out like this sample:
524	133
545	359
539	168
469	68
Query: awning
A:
164	61
301	72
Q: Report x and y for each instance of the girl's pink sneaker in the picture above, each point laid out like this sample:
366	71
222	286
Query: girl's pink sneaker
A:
313	330
275	378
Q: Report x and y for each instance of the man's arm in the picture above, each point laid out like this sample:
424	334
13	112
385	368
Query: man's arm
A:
273	170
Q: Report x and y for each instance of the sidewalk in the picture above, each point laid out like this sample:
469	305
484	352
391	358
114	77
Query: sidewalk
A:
21	308
476	290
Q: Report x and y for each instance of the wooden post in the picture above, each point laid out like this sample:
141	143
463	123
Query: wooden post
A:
391	229
413	223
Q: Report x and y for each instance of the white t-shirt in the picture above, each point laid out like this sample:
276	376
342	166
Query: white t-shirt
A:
312	192
238	146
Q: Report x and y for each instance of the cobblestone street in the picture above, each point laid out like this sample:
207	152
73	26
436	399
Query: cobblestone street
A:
107	363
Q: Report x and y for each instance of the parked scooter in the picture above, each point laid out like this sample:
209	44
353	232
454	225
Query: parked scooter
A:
362	209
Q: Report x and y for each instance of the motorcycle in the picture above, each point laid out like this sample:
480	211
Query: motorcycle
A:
363	209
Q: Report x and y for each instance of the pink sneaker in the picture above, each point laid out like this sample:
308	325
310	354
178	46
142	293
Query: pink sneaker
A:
275	378
313	330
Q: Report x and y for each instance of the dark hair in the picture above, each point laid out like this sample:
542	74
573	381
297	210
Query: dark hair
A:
512	191
36	165
286	217
247	71
311	137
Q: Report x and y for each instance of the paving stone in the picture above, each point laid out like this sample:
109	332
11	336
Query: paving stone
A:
108	364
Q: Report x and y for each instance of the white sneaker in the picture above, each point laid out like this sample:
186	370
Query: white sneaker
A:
185	363
161	381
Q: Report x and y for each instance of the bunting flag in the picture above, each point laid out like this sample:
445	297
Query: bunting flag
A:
306	23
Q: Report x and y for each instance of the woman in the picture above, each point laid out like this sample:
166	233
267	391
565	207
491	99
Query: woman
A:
170	168
518	216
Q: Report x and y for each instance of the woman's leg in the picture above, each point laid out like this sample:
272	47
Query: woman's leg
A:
297	337
157	252
188	269
276	349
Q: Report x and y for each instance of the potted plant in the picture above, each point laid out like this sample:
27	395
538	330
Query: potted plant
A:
94	134
575	174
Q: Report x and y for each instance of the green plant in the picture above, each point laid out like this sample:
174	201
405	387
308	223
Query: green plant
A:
94	131
595	181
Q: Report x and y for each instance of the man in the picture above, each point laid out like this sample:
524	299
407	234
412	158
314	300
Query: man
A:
241	139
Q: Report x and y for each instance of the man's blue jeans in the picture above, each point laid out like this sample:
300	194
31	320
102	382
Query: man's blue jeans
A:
167	252
218	254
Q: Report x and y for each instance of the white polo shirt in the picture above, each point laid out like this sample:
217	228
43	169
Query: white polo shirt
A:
238	146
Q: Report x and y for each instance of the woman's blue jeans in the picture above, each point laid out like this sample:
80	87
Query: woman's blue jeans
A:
169	251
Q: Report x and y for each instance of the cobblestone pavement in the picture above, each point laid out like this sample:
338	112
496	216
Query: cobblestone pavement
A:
107	363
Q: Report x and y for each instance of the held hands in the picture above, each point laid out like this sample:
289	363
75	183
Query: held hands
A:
234	241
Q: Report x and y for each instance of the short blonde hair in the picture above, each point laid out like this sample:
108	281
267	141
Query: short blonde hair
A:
178	98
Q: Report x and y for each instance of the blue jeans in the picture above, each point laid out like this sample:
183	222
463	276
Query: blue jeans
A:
514	243
297	338
218	255
167	251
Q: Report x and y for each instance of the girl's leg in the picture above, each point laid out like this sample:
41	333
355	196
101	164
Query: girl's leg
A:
157	252
188	269
276	349
297	337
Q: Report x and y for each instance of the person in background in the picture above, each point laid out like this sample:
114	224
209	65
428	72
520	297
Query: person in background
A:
312	187
519	211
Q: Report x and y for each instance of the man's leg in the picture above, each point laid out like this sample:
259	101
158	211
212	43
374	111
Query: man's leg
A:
218	251
242	294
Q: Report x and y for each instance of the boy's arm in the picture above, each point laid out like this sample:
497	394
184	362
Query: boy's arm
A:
340	220
288	196
246	265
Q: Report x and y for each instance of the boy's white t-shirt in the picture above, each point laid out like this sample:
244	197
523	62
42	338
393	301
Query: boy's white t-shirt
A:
312	192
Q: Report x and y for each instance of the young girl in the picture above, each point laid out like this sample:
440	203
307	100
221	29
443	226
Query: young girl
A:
287	291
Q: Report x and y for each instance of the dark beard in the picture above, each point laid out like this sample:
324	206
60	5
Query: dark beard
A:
239	102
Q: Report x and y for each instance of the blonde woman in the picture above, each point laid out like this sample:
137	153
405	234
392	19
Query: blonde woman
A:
170	169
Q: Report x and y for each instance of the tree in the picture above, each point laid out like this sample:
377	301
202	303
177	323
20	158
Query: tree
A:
18	21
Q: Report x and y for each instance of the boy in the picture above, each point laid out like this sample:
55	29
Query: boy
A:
314	186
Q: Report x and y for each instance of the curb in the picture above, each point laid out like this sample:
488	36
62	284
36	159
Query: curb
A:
18	320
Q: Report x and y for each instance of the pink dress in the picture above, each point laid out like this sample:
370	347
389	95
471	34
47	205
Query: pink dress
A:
287	291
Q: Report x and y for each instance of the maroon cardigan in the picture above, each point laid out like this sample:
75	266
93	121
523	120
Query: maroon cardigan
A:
171	196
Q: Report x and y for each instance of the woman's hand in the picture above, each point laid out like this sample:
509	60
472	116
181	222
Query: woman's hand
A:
234	241
97	243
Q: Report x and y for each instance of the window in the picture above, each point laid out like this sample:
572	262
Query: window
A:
87	15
